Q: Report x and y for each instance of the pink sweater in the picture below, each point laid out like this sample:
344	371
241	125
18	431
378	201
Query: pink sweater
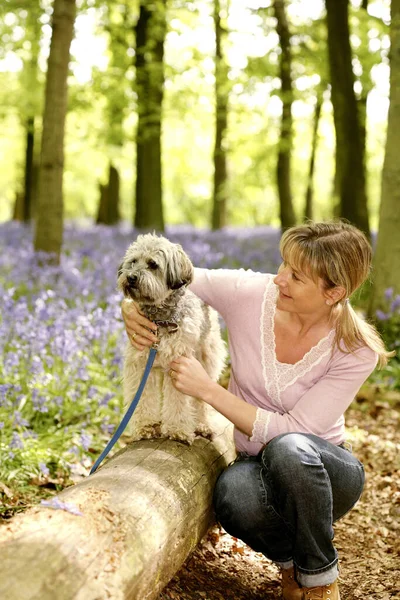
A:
309	396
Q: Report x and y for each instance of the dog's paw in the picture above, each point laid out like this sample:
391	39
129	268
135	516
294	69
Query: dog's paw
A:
204	431
147	432
208	435
179	436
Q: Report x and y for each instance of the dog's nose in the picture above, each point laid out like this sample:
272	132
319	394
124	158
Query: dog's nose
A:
132	280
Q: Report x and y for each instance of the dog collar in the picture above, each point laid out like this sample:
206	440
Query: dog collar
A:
171	326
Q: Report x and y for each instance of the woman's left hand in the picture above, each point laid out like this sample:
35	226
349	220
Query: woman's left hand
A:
189	377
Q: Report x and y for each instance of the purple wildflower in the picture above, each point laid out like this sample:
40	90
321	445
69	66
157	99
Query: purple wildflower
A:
19	420
396	303
44	469
16	441
57	504
388	293
85	440
381	316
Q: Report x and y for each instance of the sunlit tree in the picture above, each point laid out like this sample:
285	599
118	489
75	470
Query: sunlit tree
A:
150	35
283	169
350	168
49	216
386	272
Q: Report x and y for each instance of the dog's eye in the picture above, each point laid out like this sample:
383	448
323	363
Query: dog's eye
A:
152	265
133	261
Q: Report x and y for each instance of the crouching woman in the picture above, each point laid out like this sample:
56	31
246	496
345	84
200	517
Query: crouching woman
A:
299	354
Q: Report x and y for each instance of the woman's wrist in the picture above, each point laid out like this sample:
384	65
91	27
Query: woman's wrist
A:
210	392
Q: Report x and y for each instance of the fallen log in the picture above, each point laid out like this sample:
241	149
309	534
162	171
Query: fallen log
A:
142	513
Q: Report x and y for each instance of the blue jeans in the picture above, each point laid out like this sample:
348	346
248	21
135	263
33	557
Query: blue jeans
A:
284	501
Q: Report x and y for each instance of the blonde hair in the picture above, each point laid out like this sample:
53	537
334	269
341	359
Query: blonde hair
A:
340	255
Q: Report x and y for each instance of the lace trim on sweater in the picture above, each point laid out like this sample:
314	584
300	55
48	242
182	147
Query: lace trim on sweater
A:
278	376
260	426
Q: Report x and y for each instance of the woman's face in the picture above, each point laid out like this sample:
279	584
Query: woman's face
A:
299	293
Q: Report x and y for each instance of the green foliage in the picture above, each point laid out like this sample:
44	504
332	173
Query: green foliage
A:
388	319
103	109
388	324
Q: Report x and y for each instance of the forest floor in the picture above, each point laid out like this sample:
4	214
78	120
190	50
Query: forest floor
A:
367	538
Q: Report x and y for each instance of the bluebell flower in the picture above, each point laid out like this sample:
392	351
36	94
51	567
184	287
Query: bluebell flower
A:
58	504
44	469
16	441
396	303
19	420
85	440
39	402
92	391
388	293
106	398
381	315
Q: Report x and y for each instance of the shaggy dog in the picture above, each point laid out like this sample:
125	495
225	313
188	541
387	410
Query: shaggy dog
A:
155	274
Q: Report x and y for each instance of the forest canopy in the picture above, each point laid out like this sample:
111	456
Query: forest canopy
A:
103	103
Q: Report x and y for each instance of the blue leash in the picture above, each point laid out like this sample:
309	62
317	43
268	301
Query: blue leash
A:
129	412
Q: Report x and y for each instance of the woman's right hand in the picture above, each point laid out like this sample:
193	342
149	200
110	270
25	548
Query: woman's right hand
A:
137	326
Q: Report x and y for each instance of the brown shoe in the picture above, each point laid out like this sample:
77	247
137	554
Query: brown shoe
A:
290	588
323	592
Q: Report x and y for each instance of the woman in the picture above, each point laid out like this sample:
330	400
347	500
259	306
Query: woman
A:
299	354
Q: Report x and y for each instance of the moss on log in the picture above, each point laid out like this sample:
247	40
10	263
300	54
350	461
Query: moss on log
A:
143	512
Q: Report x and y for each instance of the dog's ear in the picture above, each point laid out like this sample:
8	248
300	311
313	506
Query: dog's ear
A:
179	269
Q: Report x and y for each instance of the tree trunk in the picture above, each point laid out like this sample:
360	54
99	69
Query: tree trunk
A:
30	103
49	217
103	202
113	195
150	34
28	188
350	167
386	272
283	171
143	512
366	85
19	207
336	204
108	212
220	192
308	213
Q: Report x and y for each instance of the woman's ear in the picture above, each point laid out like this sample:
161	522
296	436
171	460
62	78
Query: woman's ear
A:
335	294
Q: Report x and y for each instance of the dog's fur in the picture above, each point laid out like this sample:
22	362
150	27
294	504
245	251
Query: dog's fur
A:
155	274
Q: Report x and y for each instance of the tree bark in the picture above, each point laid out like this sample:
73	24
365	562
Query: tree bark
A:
30	109
283	169
29	158
366	85
103	202
19	207
220	192
349	154
143	512
108	211
150	33
49	217
309	208
386	271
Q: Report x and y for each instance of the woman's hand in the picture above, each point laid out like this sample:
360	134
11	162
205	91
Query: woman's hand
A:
189	377
137	326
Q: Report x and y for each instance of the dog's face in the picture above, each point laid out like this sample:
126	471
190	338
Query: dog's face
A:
153	267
